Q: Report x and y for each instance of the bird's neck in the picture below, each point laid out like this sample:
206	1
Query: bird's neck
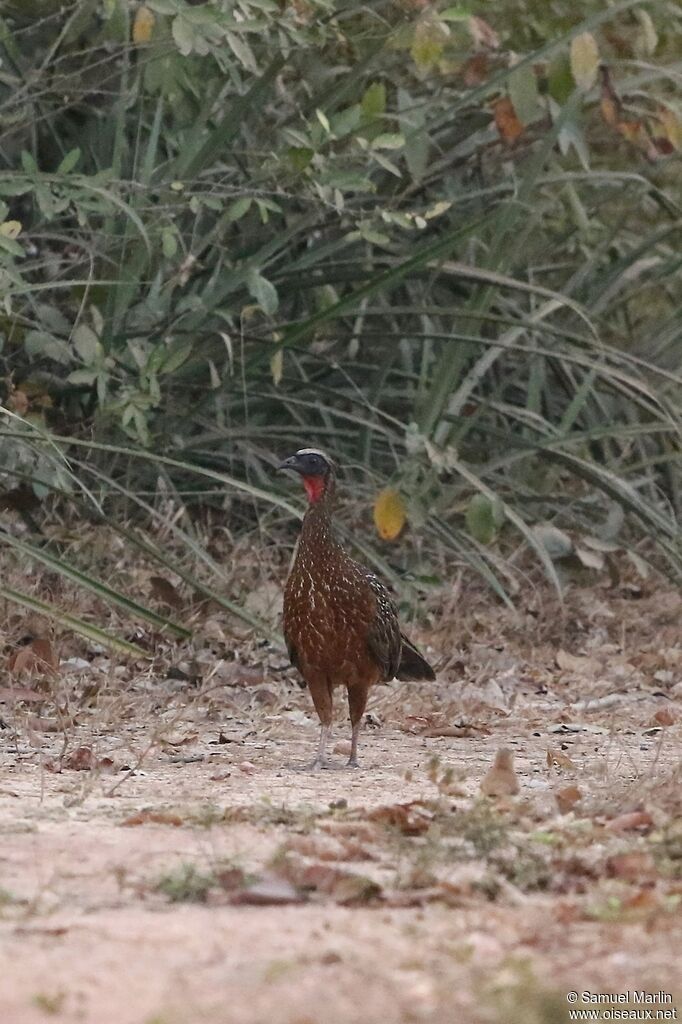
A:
317	532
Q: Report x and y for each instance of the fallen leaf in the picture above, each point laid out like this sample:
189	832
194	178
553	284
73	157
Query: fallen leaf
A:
148	817
37	657
344	887
575	663
164	591
632	866
506	121
412	819
268	892
18	402
10	693
567	798
672	126
634	821
83	759
389	514
476	70
501	779
556	759
665	717
591	559
233	674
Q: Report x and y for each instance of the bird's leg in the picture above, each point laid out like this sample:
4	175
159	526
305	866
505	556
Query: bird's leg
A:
353	759
357	702
321	755
321	692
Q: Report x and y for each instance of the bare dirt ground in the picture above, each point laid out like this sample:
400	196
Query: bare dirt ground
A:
162	861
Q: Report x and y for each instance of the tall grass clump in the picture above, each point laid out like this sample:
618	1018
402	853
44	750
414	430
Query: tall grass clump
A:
441	240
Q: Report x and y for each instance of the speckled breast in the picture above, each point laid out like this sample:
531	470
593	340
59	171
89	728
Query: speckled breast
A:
327	617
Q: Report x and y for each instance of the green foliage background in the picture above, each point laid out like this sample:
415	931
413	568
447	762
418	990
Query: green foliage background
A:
229	229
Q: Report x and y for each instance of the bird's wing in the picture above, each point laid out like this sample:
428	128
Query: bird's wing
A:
383	638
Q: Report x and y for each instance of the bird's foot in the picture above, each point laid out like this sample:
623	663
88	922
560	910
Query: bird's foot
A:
352	762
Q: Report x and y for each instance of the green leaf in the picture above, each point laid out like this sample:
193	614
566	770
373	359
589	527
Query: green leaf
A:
87	344
483	517
69	161
169	242
523	92
177	353
373	102
389	141
239	208
458	13
263	291
300	157
28	163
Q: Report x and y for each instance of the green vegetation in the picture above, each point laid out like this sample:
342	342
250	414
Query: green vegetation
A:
445	247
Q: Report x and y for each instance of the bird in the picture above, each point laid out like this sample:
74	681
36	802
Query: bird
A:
340	623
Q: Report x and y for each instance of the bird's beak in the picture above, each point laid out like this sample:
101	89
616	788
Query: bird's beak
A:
290	463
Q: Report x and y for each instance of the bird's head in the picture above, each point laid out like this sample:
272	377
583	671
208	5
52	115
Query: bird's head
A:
316	469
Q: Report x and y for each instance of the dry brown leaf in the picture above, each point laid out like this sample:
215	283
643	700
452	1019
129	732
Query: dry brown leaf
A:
501	779
476	70
38	657
506	121
482	33
165	592
633	866
633	821
268	892
12	693
412	818
665	717
83	759
556	759
233	674
320	847
342	886
18	402
672	126
575	663
567	798
148	817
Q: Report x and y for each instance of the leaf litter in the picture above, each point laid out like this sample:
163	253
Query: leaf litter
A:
521	805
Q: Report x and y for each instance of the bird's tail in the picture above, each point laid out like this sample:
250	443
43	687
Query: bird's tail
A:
413	665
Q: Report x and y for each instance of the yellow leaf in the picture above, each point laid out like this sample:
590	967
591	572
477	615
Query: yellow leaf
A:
10	229
389	514
277	366
143	26
672	126
427	43
584	60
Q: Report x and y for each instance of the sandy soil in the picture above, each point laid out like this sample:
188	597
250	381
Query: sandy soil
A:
162	861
